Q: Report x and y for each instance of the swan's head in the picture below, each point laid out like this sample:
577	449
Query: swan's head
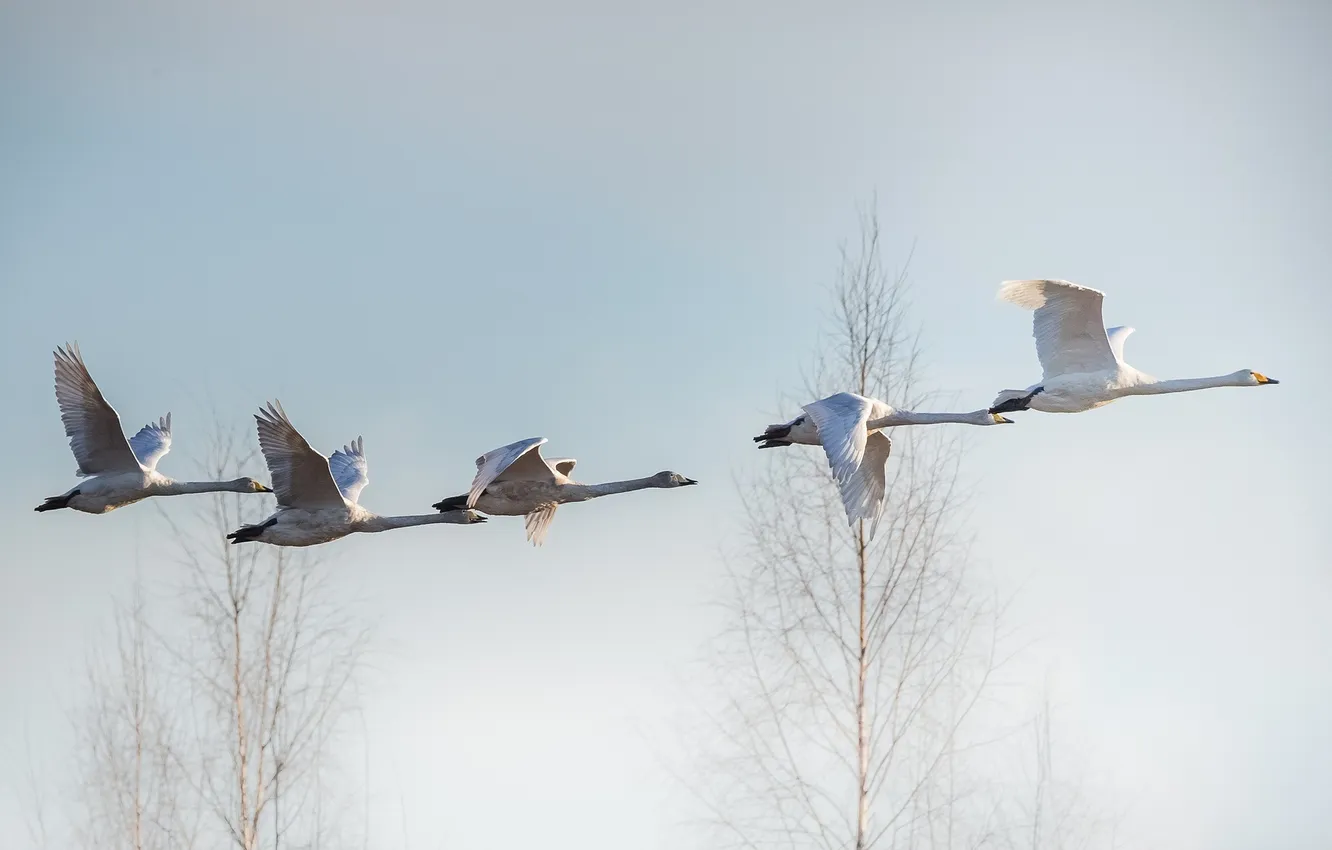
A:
985	417
1250	378
249	485
671	479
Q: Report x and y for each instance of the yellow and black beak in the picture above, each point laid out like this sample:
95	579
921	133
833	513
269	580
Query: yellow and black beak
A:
1263	379
264	489
1000	419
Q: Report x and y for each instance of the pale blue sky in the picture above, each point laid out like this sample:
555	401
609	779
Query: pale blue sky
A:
449	226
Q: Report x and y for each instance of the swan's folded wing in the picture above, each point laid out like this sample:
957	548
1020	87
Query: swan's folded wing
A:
1067	324
301	476
152	442
537	522
349	469
840	420
520	461
93	428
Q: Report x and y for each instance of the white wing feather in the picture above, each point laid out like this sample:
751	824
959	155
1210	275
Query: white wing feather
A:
563	465
1116	336
840	420
520	461
537	522
1067	324
872	475
856	457
152	442
862	493
301	475
349	470
92	425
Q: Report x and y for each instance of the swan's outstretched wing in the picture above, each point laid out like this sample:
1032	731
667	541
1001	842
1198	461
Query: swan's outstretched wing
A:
520	461
873	478
152	442
1069	331
93	428
1116	336
856	456
301	476
537	522
840	420
563	465
349	469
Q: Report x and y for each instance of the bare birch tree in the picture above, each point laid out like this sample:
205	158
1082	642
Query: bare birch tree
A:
129	781
853	663
271	665
259	665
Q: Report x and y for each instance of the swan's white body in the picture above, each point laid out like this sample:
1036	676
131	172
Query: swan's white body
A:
116	471
101	494
317	496
1081	360
515	480
850	429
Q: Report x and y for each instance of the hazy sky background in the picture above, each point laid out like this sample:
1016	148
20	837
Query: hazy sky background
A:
450	226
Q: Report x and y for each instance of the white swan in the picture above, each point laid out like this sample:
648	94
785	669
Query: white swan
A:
849	427
1082	362
515	480
116	471
317	495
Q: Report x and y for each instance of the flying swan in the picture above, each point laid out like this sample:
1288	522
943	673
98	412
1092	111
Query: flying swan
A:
116	471
1082	362
849	427
515	480
317	495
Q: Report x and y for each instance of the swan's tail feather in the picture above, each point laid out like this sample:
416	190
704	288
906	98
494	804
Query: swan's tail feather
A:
250	533
55	503
1013	401
453	503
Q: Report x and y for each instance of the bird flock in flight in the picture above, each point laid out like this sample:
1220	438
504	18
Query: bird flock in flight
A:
318	497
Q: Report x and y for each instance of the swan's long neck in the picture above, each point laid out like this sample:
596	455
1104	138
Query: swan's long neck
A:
1181	385
907	417
185	488
583	492
375	524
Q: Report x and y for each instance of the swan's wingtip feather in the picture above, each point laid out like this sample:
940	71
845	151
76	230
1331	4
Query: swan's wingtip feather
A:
1032	294
1029	294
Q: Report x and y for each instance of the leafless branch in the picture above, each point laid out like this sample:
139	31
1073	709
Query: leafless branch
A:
851	675
211	723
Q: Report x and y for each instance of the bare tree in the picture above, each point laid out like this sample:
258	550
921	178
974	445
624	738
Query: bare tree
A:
212	723
1052	803
271	662
129	782
853	664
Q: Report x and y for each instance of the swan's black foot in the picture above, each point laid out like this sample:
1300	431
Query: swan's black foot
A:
250	533
1016	405
55	503
775	436
453	503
